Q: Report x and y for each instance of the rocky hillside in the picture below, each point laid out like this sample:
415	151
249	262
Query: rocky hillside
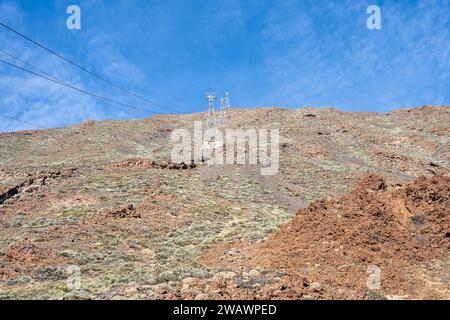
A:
328	249
104	197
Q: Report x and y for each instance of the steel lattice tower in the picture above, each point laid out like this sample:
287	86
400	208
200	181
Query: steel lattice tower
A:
211	118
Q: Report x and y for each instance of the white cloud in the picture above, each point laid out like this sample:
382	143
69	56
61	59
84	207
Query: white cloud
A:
38	101
323	54
9	13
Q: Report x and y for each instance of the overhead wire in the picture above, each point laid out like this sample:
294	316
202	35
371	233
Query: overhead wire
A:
22	121
87	70
108	101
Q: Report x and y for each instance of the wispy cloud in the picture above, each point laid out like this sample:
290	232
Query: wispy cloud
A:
289	53
35	100
324	54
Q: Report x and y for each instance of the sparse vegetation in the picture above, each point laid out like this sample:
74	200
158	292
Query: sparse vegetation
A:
157	248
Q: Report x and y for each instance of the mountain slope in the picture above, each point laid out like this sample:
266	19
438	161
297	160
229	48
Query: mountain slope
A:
101	196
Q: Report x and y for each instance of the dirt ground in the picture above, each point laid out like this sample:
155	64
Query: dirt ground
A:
327	249
357	195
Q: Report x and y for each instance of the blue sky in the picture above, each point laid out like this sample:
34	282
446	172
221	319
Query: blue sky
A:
287	53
